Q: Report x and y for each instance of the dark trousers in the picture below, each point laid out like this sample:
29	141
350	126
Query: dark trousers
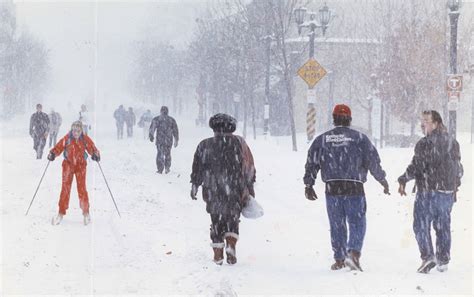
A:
38	145
119	130
221	224
129	130
163	157
433	208
343	210
52	138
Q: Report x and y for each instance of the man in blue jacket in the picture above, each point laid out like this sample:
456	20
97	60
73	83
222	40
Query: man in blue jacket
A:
344	156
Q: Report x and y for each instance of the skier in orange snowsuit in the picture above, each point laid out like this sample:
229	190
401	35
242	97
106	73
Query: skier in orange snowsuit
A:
74	145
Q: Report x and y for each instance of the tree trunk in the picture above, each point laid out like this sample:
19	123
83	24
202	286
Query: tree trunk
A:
244	101
252	105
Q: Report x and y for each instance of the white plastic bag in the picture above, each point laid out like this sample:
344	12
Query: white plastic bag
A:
253	210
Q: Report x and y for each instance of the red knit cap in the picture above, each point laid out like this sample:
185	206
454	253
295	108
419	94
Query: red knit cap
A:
342	110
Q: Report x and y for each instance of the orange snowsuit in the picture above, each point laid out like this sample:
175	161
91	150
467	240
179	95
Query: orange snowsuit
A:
74	163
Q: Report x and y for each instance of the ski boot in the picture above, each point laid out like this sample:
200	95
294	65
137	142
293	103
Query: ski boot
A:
56	220
87	219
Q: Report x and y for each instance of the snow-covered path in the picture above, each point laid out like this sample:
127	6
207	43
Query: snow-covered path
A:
161	243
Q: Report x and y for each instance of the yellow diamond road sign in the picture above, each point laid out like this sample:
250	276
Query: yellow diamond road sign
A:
311	72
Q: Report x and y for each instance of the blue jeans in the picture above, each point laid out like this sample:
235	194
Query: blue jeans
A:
433	208
350	209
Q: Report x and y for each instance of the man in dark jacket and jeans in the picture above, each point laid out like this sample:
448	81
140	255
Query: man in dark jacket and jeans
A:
344	156
120	114
166	129
224	166
39	128
437	170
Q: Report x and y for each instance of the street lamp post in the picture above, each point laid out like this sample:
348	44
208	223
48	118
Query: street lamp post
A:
454	6
324	15
266	116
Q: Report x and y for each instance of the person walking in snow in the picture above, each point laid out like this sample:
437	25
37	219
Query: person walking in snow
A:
84	119
130	120
39	128
165	129
223	165
74	146
120	114
145	122
437	170
54	124
344	156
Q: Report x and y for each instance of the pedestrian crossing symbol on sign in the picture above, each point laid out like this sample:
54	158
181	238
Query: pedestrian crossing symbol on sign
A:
311	72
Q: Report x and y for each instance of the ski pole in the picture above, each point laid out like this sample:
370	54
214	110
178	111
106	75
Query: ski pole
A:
37	188
100	167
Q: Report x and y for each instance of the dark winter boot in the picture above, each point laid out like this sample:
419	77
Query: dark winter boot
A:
352	261
218	252
426	266
339	264
231	241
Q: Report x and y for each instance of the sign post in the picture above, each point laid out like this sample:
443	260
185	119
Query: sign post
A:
454	88
311	72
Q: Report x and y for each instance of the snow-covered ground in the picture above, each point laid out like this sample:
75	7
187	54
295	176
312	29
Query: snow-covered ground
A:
160	245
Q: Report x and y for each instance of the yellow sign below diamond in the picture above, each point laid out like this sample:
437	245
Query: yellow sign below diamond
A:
312	72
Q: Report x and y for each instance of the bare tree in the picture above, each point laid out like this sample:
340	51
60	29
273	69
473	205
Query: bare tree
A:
24	66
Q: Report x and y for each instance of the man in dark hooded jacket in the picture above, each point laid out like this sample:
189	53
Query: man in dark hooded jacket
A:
437	170
130	120
39	128
120	115
166	129
224	166
344	156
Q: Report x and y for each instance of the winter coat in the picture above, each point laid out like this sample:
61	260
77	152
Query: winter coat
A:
130	118
120	114
223	165
39	124
74	150
145	120
84	118
342	154
55	122
436	165
165	128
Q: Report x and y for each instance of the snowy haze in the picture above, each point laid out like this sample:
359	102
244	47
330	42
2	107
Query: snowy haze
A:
92	44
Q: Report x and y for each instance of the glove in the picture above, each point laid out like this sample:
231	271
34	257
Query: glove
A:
96	157
455	196
51	156
152	138
194	191
310	193
175	143
386	190
401	189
